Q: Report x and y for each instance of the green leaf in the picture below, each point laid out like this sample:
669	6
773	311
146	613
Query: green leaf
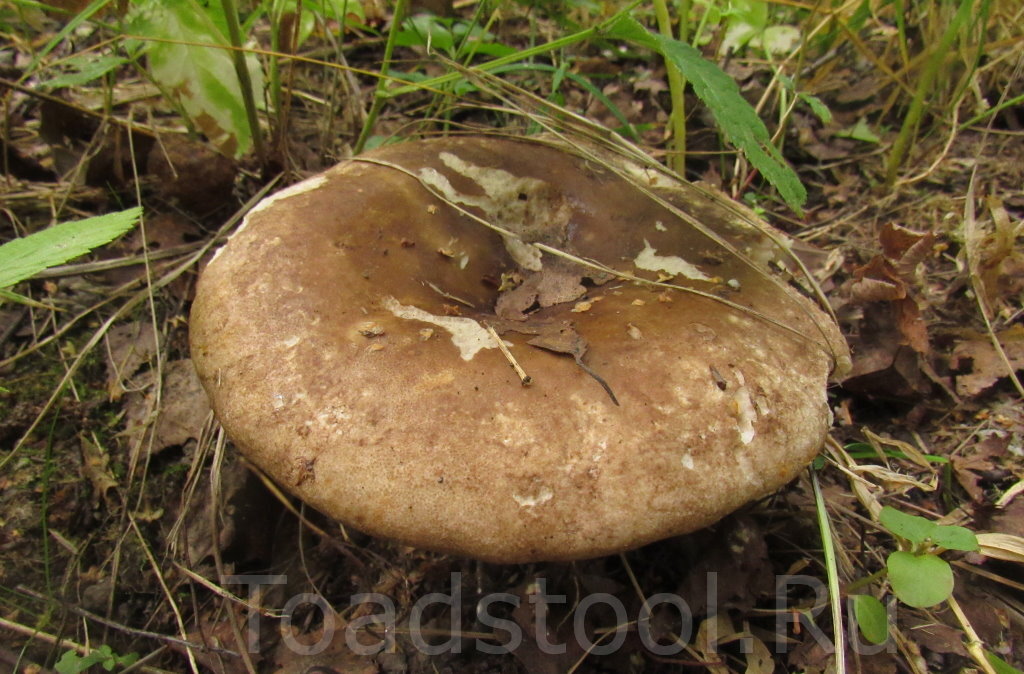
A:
919	530
860	131
29	255
909	527
871	618
200	74
422	30
817	106
10	296
737	118
745	19
84	69
920	580
73	663
780	39
954	538
1001	666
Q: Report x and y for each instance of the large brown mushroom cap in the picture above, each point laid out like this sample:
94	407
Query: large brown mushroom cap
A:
342	335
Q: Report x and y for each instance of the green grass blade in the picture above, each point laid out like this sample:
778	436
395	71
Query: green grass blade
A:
736	118
829	551
69	28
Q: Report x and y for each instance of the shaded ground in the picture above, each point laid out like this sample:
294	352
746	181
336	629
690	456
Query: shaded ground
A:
124	512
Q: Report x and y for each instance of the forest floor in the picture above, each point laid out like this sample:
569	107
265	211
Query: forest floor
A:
124	513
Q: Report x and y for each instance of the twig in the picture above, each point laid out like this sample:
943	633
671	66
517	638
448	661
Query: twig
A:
449	296
600	380
120	627
974	643
34	633
524	378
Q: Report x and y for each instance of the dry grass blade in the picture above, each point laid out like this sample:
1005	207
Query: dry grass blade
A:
597	144
214	524
973	238
974	644
594	264
92	617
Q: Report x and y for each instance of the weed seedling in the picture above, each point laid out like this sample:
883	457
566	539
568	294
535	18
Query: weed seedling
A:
73	663
918	575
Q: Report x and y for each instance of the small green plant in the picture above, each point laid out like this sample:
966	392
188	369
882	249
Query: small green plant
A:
456	38
189	57
919	577
73	663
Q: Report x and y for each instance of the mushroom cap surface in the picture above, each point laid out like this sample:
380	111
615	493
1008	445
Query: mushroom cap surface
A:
348	337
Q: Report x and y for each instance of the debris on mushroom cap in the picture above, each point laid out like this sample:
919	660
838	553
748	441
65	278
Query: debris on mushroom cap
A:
654	407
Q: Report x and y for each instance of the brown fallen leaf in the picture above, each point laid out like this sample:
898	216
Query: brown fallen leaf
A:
981	364
565	339
890	277
183	409
129	347
544	289
981	458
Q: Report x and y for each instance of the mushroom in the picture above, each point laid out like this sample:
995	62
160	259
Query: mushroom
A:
512	350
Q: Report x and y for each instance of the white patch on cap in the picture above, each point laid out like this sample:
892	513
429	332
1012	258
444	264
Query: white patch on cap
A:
500	188
650	260
467	335
747	472
529	501
307	185
440	182
687	461
525	254
746	414
496	183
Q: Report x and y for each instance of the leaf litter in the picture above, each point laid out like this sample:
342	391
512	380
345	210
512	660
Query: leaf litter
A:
908	359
